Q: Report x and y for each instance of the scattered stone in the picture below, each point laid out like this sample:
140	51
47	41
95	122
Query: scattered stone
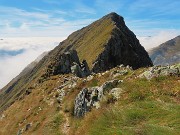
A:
28	91
116	92
80	70
2	117
27	127
91	97
117	73
90	77
20	131
161	71
61	95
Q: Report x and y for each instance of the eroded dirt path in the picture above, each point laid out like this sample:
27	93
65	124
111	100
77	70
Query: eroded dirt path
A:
66	125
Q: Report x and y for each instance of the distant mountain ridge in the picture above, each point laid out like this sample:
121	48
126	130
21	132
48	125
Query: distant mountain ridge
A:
166	53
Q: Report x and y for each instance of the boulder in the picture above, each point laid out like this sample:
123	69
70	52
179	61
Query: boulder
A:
20	131
115	92
81	70
64	62
76	70
28	126
91	97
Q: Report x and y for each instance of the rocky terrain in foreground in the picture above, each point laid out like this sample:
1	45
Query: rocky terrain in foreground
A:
117	101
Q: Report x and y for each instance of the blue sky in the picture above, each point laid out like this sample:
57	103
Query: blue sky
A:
61	17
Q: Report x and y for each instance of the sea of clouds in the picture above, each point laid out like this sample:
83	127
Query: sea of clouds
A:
12	65
30	48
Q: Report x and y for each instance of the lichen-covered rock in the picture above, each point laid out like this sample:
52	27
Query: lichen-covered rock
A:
20	131
64	62
115	92
81	70
76	70
2	116
91	97
161	71
81	105
85	68
60	95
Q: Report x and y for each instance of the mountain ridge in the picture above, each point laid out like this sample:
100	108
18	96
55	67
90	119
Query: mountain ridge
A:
167	52
104	44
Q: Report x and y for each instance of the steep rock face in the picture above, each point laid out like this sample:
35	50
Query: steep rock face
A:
64	62
166	53
122	48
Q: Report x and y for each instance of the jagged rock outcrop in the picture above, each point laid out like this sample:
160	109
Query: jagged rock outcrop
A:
68	62
122	48
64	62
80	70
161	71
166	53
91	97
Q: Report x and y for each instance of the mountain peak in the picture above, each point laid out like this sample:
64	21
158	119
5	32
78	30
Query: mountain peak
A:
115	18
112	14
101	46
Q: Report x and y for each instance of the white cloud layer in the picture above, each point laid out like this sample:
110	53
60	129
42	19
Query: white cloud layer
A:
11	66
157	39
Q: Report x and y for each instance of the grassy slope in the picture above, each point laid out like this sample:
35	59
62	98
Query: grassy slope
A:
145	107
89	41
85	41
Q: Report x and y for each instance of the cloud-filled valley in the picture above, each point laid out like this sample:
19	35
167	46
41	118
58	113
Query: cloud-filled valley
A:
17	53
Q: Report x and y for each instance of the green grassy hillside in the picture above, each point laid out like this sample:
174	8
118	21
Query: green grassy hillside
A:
145	107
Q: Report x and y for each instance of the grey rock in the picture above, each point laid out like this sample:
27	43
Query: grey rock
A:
117	73
61	95
161	71
64	62
85	68
115	92
81	70
91	97
76	70
27	127
20	131
2	117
